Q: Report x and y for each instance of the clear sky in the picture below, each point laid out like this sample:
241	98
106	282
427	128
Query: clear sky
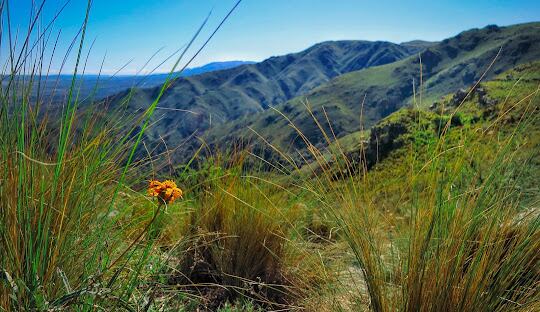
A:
134	30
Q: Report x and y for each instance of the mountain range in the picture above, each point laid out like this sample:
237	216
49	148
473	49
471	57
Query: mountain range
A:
95	87
216	98
356	82
375	92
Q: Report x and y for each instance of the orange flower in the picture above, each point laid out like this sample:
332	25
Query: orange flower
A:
154	188
166	190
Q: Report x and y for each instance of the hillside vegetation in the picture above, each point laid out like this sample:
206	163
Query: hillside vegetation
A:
496	104
380	206
361	98
192	105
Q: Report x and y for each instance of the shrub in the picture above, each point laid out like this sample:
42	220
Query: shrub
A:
239	232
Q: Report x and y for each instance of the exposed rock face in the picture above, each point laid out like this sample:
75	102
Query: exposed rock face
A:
459	96
483	98
384	139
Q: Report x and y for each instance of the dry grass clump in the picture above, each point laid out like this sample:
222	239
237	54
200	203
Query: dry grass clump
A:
240	245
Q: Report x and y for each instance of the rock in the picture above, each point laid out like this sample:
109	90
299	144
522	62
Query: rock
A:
459	96
484	99
480	91
383	140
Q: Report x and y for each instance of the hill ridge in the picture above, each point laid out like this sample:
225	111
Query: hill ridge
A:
452	64
227	95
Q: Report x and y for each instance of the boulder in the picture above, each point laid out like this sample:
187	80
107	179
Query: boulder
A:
459	96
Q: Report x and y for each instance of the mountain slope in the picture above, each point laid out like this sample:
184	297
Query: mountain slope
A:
416	46
97	87
375	92
214	66
506	106
191	105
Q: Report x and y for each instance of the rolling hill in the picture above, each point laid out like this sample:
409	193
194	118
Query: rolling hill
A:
502	101
192	105
375	92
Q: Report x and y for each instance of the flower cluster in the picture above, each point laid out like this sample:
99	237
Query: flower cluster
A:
166	190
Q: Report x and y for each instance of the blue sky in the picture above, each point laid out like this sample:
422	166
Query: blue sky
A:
134	30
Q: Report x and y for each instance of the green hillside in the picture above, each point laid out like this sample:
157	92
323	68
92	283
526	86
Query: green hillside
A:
352	176
506	105
193	104
361	98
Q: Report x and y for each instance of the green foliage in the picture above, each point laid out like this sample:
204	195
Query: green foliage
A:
429	210
197	177
240	306
359	99
442	223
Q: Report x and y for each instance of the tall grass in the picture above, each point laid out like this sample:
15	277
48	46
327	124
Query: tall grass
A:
241	247
463	246
65	169
457	236
62	168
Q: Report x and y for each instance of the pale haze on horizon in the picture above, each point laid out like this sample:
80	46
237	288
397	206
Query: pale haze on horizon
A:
125	34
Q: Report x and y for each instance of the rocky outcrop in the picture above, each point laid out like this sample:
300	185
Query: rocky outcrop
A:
384	139
463	95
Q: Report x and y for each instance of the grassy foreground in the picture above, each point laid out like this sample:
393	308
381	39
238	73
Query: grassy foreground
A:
447	221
